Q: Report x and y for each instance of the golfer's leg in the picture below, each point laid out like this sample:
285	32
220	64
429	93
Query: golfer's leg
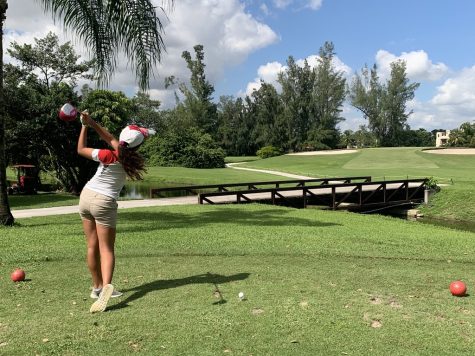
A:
106	237
93	257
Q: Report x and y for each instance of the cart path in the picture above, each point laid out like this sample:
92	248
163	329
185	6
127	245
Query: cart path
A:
140	203
71	209
277	173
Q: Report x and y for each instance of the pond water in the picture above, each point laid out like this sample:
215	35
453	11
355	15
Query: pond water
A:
142	190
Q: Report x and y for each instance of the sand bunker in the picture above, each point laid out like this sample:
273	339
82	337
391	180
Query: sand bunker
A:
329	152
453	151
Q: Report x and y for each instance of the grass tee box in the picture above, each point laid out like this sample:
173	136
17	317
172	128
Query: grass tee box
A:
315	283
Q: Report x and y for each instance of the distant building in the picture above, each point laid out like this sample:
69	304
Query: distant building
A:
442	138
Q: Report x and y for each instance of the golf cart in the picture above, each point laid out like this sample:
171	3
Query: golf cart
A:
27	180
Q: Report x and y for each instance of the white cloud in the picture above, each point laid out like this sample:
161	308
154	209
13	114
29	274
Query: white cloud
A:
314	4
265	9
353	118
268	73
458	90
243	34
418	65
282	4
452	105
308	4
337	64
229	35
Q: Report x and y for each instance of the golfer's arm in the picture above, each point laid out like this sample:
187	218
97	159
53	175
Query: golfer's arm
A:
104	134
82	148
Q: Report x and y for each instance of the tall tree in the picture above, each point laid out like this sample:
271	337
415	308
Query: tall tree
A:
398	92
147	112
244	145
198	101
107	27
328	95
366	95
384	105
230	113
268	110
297	84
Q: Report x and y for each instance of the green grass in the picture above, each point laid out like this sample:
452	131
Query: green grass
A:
42	200
315	282
204	176
453	202
11	174
381	163
389	159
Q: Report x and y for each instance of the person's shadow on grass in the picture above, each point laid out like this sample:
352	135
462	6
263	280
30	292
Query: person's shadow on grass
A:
206	278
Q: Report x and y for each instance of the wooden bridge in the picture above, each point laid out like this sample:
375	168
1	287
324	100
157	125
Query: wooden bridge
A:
353	193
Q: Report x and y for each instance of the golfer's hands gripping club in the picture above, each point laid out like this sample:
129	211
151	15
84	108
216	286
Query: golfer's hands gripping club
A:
85	118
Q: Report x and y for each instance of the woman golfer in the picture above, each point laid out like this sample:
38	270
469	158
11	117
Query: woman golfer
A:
98	201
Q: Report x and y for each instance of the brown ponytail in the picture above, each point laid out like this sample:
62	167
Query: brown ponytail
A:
132	162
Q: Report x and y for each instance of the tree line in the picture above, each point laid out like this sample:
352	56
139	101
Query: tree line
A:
303	113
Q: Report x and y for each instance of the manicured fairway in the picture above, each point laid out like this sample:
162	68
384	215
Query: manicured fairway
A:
316	283
381	163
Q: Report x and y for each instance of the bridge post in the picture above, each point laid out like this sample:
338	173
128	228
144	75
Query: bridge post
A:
360	190
333	198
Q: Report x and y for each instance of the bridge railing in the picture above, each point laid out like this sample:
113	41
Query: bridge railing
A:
253	186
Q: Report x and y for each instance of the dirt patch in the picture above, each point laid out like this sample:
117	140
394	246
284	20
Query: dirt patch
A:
453	151
257	311
375	300
316	153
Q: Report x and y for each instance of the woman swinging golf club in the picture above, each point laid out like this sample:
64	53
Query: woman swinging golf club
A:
98	201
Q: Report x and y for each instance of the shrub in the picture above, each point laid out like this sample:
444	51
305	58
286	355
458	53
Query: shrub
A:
189	148
432	184
269	151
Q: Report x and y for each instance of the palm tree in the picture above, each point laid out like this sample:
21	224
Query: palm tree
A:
106	27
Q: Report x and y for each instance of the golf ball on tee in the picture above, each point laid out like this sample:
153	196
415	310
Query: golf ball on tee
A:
241	295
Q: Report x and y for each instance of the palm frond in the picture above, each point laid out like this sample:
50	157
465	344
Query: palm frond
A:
108	26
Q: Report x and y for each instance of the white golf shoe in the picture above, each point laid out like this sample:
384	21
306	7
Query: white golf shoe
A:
101	303
96	292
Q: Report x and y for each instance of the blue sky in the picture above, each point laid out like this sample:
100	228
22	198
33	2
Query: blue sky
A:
249	40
